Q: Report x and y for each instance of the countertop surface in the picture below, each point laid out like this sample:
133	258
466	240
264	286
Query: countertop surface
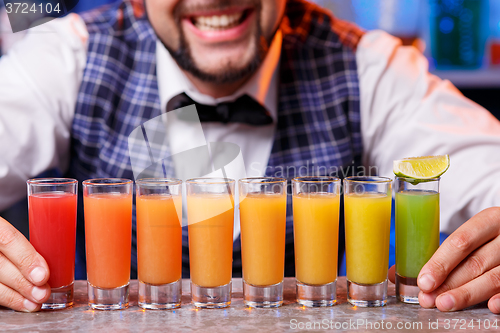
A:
290	317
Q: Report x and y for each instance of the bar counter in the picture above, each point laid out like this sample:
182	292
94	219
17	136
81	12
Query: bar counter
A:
290	317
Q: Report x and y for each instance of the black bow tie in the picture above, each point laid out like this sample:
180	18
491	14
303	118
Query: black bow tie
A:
244	110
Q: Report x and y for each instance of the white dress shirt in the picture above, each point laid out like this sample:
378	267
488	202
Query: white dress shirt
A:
405	111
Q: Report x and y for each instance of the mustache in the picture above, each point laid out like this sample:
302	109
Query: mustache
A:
184	8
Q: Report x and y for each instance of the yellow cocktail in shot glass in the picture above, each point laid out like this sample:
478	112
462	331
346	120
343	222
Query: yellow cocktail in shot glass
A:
367	212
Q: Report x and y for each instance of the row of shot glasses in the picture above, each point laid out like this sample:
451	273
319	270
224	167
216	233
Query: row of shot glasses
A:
211	206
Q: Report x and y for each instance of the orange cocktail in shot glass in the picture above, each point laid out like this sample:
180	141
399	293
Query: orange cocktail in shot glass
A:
108	234
263	230
210	207
316	204
159	242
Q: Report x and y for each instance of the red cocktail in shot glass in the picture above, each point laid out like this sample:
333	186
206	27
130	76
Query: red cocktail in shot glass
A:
52	206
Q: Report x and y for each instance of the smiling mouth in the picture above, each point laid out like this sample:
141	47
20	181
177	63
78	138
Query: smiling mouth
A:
220	22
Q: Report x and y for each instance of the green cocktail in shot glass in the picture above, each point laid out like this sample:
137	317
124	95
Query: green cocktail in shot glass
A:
417	219
417	233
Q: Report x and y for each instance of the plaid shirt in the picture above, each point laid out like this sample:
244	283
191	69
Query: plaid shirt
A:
318	129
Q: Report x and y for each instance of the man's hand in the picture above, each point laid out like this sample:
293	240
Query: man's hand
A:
465	270
23	272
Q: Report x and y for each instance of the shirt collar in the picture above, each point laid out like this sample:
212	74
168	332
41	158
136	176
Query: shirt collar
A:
262	86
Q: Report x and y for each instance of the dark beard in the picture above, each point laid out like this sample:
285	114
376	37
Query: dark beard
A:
228	73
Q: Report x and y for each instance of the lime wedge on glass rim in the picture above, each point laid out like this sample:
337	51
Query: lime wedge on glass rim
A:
423	168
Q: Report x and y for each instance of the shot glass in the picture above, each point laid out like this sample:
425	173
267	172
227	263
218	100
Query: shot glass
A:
417	233
159	243
316	203
52	225
263	231
210	206
367	212
108	232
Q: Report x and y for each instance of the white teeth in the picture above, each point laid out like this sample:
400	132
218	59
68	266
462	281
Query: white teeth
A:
224	20
217	22
205	28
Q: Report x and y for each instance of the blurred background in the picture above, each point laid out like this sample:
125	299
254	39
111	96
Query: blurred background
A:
460	38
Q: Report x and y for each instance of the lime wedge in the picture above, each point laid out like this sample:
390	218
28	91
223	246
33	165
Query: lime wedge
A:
421	168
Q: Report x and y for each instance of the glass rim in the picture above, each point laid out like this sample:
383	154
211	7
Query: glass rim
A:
51	181
266	180
210	181
366	179
101	182
316	179
411	180
158	181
